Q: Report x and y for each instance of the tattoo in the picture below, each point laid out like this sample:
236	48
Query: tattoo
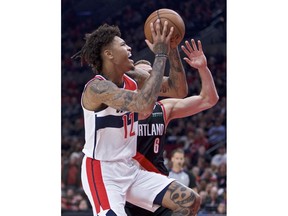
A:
151	89
176	64
108	93
177	76
184	198
165	89
100	87
161	48
119	100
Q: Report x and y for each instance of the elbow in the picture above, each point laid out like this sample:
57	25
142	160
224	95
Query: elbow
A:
212	101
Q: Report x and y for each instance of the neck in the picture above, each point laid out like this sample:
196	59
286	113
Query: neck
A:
176	169
113	75
118	80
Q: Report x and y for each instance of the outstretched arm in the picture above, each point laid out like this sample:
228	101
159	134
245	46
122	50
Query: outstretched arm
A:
208	97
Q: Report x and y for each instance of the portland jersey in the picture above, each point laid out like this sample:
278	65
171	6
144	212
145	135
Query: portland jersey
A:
150	141
111	134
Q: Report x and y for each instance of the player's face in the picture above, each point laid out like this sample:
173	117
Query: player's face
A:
121	53
178	159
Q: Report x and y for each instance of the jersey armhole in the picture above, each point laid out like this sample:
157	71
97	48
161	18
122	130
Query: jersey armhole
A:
164	114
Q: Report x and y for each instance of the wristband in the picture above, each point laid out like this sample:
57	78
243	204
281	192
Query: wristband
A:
161	55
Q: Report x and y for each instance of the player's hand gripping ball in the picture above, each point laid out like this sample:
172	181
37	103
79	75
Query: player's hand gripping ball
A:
173	18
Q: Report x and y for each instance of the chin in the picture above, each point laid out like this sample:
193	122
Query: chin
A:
132	67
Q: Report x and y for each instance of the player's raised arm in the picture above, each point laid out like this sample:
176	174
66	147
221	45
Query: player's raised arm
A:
208	97
196	58
176	84
173	86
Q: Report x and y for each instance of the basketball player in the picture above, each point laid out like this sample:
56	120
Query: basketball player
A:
151	132
111	102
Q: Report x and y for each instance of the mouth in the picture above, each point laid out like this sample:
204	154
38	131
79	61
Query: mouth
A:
129	57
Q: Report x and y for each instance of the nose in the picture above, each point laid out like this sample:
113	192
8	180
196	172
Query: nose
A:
129	48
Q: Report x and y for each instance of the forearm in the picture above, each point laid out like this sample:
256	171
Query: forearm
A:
177	77
150	90
208	90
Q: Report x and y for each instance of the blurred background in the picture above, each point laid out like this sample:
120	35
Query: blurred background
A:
202	136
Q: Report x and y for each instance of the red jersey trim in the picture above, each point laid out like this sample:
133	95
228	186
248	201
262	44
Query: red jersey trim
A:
129	83
145	163
164	113
96	184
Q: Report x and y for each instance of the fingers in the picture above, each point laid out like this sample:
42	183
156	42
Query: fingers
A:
156	31
188	61
152	30
185	50
188	46
200	45
148	43
193	44
169	36
189	49
165	27
160	37
158	27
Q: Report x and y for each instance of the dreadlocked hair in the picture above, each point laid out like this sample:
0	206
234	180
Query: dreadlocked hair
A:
101	37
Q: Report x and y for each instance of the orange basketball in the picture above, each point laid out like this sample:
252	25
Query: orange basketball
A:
173	18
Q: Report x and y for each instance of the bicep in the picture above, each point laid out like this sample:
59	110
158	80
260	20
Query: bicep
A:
180	108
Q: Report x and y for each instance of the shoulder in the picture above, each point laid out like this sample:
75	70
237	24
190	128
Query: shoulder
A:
99	85
95	91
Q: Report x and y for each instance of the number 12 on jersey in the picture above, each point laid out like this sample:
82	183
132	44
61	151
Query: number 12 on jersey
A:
125	125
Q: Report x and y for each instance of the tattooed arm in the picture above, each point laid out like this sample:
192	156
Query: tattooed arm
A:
176	84
100	92
173	86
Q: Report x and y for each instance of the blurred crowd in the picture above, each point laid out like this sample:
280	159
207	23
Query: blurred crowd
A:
202	136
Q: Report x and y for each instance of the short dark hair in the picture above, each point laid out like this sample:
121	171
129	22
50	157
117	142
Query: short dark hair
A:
91	51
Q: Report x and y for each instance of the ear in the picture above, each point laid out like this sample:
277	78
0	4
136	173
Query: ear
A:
108	53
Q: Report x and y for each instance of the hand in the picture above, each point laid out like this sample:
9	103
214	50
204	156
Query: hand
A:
161	40
196	57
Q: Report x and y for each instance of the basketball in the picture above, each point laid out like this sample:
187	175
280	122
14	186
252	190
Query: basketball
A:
173	18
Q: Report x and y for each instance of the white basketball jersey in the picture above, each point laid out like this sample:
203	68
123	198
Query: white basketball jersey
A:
111	134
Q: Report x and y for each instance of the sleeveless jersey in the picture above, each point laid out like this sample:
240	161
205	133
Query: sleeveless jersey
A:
181	176
111	134
150	141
